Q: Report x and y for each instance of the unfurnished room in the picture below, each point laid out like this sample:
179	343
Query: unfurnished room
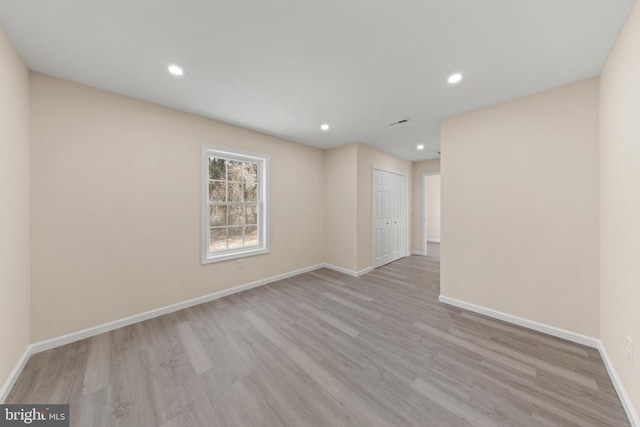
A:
330	213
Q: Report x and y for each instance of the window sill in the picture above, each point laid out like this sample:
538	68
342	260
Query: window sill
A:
234	255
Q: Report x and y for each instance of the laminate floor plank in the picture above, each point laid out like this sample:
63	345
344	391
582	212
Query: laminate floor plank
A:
353	305
343	289
326	349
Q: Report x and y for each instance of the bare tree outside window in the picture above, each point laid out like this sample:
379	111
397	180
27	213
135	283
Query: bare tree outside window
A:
234	203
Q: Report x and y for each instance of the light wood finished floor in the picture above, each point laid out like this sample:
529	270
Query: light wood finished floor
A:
325	349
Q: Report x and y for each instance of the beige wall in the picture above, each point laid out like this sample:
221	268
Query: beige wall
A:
520	208
116	207
419	168
433	208
620	205
348	202
341	187
14	208
369	158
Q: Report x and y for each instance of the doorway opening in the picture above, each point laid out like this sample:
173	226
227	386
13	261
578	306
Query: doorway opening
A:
431	214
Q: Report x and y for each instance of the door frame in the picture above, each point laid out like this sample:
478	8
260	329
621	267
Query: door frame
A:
373	206
425	200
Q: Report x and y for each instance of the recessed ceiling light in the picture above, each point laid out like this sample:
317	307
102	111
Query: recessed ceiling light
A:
420	147
324	127
455	78
175	70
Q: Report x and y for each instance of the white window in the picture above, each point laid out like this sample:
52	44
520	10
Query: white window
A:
234	204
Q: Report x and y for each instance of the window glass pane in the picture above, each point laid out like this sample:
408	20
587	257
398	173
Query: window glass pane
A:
235	171
251	216
251	192
218	215
235	237
235	192
234	203
236	215
250	236
217	191
251	173
217	168
218	239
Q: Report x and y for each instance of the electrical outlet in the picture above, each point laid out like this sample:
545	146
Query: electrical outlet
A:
630	349
240	264
340	250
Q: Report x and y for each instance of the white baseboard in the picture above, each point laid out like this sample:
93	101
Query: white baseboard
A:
617	384
347	271
106	327
110	326
13	376
433	240
421	253
526	323
560	333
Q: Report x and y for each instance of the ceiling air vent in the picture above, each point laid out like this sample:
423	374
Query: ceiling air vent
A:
400	122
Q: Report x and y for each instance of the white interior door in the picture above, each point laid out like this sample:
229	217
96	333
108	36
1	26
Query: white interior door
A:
398	217
381	217
389	204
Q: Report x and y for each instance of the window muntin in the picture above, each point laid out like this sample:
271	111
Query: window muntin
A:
235	204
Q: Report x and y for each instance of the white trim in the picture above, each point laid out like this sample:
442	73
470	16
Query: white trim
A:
109	326
433	240
106	327
520	321
407	251
262	201
347	271
13	376
421	253
617	384
136	318
560	333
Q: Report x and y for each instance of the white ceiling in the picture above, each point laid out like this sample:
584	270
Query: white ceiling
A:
283	67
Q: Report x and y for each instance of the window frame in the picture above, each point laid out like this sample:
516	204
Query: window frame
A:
262	160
